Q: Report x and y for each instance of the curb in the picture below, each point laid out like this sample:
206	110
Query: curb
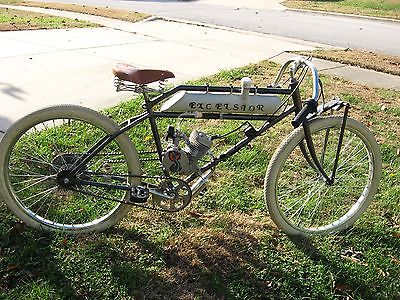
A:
329	13
232	29
180	21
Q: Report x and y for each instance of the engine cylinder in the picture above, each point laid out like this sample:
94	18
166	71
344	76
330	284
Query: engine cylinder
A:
199	144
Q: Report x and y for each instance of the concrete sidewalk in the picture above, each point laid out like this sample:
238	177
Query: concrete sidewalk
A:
45	67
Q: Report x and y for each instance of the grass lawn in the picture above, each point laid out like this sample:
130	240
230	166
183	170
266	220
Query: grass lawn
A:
223	246
21	20
120	14
382	8
365	59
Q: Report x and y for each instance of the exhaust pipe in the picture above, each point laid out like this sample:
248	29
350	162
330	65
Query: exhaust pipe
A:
201	182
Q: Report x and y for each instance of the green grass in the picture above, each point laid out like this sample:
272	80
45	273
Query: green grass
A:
381	8
364	59
20	20
223	245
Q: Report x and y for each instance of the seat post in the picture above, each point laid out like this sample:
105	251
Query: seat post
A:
146	97
153	124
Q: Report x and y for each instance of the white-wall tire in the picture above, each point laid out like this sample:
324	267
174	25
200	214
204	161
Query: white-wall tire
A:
16	142
300	202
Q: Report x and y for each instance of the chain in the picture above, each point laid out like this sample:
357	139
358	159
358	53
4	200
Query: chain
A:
142	205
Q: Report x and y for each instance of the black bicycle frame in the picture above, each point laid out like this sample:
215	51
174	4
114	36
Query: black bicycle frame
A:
250	134
151	115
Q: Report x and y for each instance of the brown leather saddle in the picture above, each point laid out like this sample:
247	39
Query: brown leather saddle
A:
140	76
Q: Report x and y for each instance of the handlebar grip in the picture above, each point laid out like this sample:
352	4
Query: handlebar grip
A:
309	107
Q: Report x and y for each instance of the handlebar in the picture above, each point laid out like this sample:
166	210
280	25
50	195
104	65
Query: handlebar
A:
295	63
310	105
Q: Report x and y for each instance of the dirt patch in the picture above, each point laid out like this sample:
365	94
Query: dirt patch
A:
124	15
365	59
202	260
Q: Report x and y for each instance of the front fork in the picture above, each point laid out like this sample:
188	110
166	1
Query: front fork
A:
313	161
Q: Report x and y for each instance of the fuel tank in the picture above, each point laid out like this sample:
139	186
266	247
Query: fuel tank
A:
227	103
185	101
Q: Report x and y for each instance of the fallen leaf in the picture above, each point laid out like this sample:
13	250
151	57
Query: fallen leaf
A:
269	283
343	287
394	259
195	214
381	272
353	256
276	274
354	260
17	229
12	267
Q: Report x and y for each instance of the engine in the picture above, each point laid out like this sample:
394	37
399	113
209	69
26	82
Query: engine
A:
185	161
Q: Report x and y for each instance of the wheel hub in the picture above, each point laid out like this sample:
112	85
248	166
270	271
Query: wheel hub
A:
63	164
65	179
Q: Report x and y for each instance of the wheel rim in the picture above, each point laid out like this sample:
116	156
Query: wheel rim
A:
46	148
306	201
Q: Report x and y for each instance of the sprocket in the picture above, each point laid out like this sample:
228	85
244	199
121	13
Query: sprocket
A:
172	195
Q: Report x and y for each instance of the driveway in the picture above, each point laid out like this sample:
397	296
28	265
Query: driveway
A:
47	67
269	17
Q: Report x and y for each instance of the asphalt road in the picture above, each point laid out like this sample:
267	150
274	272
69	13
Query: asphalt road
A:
357	33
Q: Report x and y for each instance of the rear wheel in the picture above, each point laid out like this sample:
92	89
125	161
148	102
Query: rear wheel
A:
38	150
298	198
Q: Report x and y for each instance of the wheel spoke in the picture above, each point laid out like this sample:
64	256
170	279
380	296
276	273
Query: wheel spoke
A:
44	193
305	201
300	200
35	183
53	144
355	165
35	160
29	172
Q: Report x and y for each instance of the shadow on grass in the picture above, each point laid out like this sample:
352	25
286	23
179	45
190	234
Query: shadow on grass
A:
362	251
29	257
128	263
200	261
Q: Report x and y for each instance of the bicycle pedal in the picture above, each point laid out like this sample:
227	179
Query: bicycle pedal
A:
139	194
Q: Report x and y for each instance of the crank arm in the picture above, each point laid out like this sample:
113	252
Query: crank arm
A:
159	194
152	191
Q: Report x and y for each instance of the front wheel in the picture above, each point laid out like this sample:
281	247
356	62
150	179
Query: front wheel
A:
40	147
299	199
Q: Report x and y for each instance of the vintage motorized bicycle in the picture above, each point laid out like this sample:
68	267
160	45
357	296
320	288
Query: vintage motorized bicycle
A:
69	168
